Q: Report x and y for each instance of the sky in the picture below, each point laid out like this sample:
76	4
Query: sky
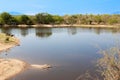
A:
61	7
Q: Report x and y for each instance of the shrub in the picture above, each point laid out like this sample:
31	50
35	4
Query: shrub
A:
109	64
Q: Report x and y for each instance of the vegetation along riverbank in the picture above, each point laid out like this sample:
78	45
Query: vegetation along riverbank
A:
49	20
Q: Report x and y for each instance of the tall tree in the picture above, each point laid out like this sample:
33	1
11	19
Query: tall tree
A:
44	18
6	18
24	19
57	19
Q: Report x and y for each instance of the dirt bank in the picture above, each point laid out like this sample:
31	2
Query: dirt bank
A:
7	41
65	25
11	67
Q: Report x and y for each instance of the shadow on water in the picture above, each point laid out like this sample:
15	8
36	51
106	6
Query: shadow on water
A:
43	32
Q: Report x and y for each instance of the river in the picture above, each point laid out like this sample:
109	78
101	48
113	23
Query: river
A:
70	51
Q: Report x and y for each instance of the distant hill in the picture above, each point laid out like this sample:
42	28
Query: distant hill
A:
117	12
15	13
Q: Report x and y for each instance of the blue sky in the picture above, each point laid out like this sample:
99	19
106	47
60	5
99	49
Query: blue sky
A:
60	7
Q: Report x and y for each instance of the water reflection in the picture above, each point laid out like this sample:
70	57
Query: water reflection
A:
4	54
72	31
47	32
6	30
101	30
43	32
24	31
97	31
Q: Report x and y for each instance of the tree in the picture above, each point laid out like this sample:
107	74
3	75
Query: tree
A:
44	18
83	19
6	18
105	18
1	21
70	19
57	19
24	19
113	19
90	19
98	19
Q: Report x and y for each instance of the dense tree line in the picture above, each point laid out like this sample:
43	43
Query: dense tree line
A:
45	18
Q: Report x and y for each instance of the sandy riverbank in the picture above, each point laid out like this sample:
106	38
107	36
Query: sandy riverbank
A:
65	25
12	67
4	44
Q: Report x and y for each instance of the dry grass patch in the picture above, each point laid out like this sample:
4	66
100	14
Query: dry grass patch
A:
5	39
109	64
